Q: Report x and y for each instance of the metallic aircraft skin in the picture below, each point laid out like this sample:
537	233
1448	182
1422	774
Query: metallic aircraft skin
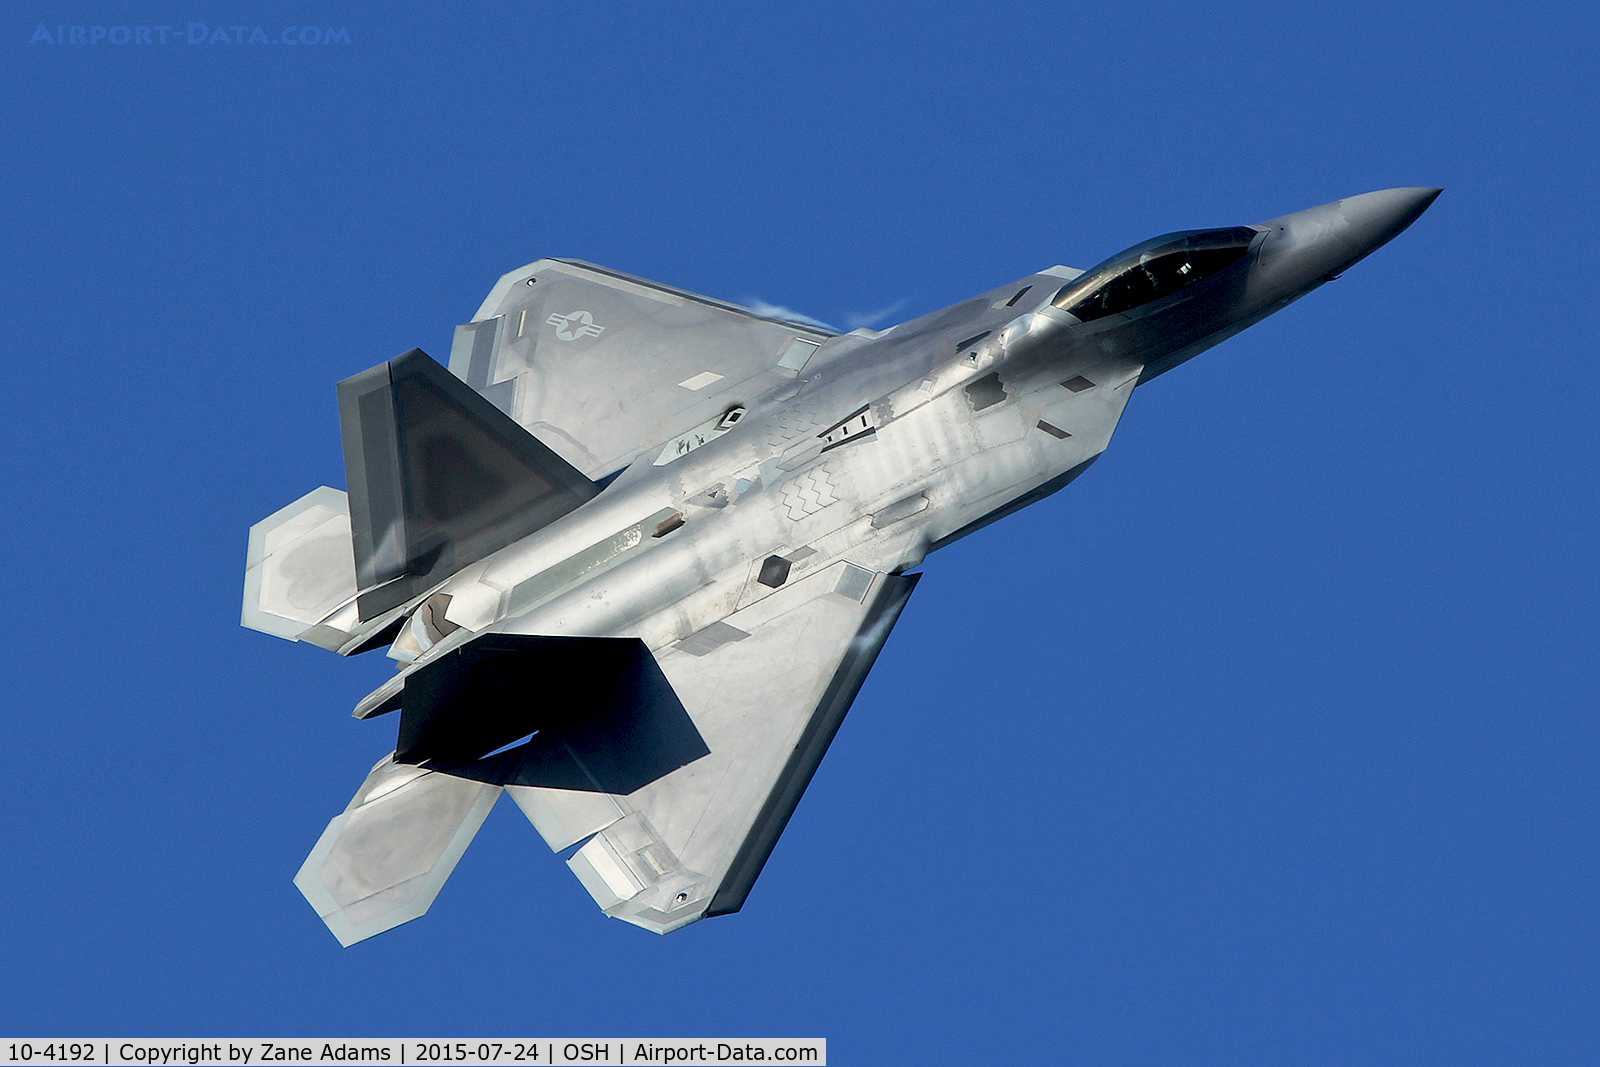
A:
760	555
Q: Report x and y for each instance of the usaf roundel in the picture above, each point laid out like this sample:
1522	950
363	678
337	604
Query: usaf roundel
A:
575	324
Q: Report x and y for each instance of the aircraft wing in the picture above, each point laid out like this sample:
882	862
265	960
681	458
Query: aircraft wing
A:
677	792
767	689
602	366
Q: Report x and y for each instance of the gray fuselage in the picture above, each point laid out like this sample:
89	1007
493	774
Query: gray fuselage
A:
938	426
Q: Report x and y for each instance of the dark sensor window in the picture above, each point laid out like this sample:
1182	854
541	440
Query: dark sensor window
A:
774	571
1152	270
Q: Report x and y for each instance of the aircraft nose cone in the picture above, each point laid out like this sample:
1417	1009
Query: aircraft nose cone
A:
1322	242
1376	218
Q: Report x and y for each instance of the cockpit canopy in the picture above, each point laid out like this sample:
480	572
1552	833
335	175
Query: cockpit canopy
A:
1149	271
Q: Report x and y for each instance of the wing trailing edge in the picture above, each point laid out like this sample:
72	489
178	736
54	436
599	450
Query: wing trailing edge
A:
768	699
813	744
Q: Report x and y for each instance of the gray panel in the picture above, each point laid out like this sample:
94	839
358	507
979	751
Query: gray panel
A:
617	544
472	352
502	395
1032	496
564	817
900	510
707	640
797	354
853	583
473	355
1020	293
986	392
299	569
483	346
383	861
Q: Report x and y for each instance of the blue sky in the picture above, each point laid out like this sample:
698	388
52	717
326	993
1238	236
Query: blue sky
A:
1272	740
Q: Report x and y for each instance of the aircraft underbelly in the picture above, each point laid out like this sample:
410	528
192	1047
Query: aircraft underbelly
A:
637	548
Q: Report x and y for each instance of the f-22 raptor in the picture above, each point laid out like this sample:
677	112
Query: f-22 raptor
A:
636	549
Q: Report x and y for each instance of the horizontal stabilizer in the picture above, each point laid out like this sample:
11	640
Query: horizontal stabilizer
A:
439	477
300	578
383	861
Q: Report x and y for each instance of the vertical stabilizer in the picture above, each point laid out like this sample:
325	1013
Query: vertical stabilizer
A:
439	477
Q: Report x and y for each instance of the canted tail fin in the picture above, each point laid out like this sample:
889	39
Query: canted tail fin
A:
439	477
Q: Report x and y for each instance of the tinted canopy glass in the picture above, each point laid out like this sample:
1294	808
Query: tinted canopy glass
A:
1152	270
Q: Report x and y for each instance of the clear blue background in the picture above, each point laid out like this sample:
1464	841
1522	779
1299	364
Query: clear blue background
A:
1270	741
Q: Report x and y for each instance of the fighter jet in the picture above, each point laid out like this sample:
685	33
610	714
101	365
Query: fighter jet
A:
636	549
